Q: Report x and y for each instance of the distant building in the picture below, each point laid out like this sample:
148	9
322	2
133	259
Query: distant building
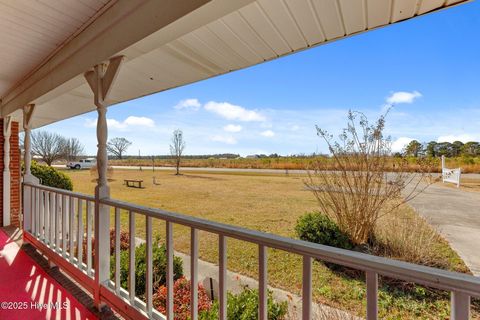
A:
253	156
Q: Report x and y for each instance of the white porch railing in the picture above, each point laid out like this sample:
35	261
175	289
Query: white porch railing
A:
58	227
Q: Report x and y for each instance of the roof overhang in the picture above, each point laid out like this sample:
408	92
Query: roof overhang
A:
172	43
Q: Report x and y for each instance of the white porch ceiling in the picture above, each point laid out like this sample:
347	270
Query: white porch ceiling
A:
228	39
33	30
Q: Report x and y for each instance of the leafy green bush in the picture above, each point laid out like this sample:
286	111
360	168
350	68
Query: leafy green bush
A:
159	264
318	228
244	306
51	177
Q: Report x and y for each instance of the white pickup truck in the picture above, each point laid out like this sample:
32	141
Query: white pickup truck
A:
82	164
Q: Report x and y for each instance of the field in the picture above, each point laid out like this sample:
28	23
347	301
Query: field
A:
468	164
270	203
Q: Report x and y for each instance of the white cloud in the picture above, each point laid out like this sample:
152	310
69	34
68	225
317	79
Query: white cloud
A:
461	137
403	97
232	112
131	121
232	128
294	128
268	133
90	123
139	121
224	139
399	144
193	104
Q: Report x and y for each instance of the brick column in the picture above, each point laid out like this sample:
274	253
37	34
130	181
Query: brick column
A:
14	175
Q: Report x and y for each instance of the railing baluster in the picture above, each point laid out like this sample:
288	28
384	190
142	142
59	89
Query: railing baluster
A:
372	295
169	240
32	208
41	215
194	274
131	274
46	211
459	306
53	224
149	279
307	288
71	228
262	282
89	238
222	275
58	211
37	221
117	250
64	226
80	234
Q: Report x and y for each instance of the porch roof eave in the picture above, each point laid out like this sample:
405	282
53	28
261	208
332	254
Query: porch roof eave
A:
197	40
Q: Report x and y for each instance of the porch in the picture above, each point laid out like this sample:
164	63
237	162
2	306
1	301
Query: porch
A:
125	51
31	289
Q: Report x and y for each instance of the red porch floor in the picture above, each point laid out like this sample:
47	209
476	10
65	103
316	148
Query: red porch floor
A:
28	292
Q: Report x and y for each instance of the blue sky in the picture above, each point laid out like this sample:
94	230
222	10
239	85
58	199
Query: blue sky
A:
430	66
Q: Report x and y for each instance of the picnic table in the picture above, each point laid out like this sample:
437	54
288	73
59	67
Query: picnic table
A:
133	183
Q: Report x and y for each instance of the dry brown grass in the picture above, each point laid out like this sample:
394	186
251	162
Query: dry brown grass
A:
466	184
408	237
265	202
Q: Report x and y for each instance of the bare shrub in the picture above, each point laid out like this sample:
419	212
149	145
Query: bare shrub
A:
409	239
363	180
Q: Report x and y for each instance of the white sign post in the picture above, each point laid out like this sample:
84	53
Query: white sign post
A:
450	175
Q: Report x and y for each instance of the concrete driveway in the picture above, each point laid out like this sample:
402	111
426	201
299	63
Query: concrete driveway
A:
456	215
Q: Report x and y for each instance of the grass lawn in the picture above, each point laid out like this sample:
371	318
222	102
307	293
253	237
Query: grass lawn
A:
265	202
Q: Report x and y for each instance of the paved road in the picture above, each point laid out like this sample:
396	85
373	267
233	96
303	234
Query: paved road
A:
456	215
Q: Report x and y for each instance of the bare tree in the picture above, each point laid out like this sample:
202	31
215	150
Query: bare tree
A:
361	181
177	147
48	146
118	146
73	149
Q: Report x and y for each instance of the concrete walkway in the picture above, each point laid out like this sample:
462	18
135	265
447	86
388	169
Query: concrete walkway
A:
456	215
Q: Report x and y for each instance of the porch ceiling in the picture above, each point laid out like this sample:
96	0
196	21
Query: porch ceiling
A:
213	39
33	30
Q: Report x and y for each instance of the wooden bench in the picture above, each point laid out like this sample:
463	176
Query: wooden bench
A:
133	183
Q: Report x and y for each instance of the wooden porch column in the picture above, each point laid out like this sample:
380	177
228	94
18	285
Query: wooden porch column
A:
100	81
27	158
7	121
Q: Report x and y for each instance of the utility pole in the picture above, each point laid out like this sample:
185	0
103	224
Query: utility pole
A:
139	159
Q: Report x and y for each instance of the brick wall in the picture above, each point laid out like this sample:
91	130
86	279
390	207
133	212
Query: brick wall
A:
2	140
14	174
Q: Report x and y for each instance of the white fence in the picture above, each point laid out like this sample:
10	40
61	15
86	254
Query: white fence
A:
61	218
450	175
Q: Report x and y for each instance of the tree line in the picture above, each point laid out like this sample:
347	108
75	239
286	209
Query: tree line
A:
438	149
50	147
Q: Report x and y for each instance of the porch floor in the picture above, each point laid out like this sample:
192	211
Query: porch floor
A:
27	291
